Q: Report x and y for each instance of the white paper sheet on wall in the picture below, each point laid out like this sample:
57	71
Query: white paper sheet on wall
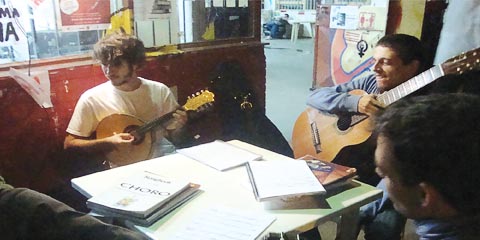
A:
37	85
344	17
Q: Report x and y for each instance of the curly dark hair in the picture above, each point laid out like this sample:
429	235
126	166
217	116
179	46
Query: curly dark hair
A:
436	139
117	46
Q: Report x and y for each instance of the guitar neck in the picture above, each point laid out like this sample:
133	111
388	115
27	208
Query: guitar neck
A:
411	85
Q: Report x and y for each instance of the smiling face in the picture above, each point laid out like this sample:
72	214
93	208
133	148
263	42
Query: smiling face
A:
390	70
407	200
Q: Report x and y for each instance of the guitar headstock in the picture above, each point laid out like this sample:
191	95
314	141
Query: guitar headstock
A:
199	100
465	61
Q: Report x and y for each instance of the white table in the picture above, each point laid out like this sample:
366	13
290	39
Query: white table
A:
296	27
229	189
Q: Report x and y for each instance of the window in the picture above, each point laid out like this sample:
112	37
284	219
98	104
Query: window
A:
38	29
35	23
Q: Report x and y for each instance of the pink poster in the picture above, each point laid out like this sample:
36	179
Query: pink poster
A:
78	15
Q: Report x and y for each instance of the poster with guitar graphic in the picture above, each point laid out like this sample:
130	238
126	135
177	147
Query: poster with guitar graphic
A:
345	40
347	34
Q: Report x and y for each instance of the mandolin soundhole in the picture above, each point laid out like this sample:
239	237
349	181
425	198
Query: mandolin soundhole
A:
138	137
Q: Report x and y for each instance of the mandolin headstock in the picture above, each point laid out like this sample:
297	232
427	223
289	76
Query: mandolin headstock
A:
199	101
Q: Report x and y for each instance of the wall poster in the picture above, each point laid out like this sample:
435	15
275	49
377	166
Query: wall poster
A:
82	15
344	52
346	37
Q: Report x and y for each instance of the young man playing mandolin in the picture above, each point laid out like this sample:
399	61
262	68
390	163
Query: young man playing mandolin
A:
398	58
126	97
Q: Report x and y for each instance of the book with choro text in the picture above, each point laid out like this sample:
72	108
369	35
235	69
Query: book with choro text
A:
140	195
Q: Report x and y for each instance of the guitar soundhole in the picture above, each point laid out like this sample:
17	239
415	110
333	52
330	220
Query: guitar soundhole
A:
344	123
137	137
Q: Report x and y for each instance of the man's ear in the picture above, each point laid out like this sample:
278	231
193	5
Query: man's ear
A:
414	66
433	201
427	194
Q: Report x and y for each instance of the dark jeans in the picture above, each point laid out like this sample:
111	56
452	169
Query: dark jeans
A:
27	214
380	220
275	29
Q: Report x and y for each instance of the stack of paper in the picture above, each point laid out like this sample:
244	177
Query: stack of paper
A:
142	198
282	178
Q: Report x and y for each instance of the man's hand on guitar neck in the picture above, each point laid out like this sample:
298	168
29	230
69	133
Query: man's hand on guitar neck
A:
369	104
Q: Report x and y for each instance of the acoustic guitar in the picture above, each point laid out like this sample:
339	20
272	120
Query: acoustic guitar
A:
141	147
324	135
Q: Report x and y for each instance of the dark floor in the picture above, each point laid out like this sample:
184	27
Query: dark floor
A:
289	79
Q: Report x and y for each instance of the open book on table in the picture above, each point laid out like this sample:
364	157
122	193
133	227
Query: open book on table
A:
219	155
282	178
141	196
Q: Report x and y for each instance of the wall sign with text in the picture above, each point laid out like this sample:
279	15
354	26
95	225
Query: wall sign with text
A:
82	15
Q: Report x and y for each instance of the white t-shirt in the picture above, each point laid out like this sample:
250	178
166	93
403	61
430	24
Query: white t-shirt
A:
151	100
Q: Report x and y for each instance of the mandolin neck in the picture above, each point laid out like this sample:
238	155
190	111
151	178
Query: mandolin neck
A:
154	123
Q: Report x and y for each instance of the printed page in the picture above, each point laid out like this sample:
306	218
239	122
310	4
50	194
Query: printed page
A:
272	179
219	155
226	224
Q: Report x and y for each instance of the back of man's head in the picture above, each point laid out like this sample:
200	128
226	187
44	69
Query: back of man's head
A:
408	48
117	46
436	139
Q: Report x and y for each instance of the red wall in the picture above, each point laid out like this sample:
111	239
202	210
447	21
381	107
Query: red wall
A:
31	138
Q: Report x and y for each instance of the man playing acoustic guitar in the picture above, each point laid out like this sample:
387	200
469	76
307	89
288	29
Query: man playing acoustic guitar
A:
398	58
124	95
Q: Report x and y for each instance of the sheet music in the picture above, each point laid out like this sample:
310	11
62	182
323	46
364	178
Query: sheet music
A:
224	223
219	155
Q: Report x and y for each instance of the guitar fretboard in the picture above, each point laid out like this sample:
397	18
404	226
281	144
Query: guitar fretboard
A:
411	85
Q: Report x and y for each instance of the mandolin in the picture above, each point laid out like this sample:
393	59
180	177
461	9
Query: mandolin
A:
141	147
